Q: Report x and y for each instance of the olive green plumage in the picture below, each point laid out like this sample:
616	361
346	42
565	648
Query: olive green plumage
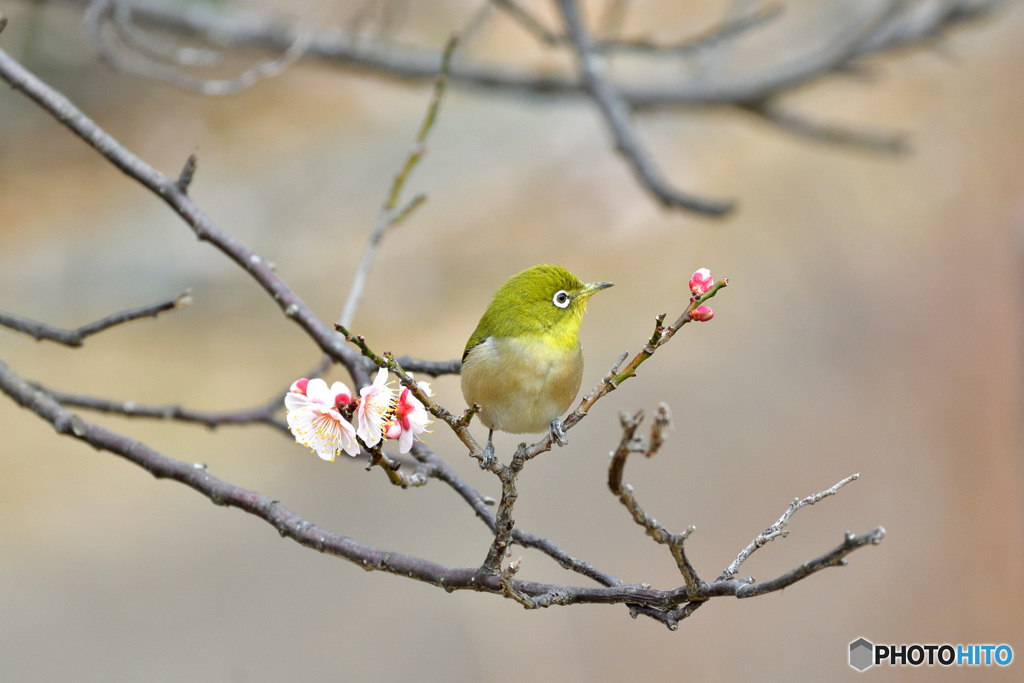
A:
523	364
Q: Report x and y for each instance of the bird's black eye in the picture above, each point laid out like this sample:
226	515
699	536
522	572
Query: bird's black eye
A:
561	298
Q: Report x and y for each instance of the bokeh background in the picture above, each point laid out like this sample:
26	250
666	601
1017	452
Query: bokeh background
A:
872	325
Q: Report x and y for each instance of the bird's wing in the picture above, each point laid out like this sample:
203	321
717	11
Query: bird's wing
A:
473	342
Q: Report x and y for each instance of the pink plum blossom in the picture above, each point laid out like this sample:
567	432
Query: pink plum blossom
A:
410	419
702	314
701	282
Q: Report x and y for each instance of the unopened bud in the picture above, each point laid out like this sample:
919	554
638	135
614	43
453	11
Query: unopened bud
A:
702	314
299	386
701	282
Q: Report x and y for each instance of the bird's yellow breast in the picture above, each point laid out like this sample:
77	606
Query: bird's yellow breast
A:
521	384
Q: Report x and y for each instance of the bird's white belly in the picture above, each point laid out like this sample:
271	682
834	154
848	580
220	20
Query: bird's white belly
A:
521	385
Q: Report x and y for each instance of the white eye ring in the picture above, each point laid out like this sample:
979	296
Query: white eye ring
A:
561	298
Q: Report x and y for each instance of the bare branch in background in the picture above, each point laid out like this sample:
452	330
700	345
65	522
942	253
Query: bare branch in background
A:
915	22
754	87
788	120
529	22
141	55
77	336
391	214
606	40
617	116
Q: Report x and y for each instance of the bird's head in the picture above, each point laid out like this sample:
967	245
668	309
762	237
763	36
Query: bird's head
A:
541	300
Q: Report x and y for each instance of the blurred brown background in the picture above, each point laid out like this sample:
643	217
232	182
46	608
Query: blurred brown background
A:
872	325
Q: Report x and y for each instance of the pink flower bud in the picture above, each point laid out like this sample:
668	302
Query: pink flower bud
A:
702	314
393	431
701	281
299	386
342	399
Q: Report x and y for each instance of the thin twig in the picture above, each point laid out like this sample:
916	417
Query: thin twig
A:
624	492
392	468
433	368
795	123
835	558
618	375
386	360
605	42
263	414
390	216
76	337
778	529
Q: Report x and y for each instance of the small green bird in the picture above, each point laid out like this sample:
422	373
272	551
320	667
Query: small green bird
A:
523	364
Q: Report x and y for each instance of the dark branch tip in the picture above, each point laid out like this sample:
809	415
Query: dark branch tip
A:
187	171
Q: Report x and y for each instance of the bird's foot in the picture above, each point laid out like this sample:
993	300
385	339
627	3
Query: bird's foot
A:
486	456
557	433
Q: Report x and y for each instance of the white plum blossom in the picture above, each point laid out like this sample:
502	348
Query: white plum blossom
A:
315	420
329	420
374	408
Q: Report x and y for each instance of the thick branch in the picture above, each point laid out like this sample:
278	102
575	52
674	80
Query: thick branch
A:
503	522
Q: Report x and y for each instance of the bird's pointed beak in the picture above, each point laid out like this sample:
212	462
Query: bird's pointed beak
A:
594	287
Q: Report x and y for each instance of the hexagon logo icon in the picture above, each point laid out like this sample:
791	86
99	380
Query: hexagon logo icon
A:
861	654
